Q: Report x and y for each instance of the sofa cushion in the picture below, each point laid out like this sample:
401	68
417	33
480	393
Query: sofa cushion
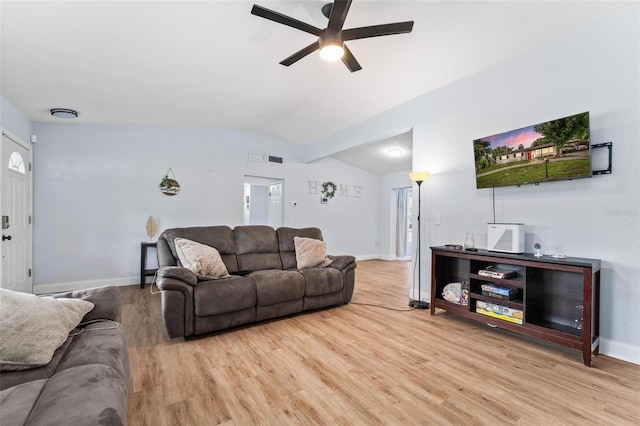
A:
259	261
18	401
321	281
93	346
16	377
201	259
257	248
225	295
255	239
219	237
90	394
310	252
33	327
287	247
277	286
101	342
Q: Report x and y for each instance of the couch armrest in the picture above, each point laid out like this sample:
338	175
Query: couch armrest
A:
177	273
347	265
342	262
177	300
107	301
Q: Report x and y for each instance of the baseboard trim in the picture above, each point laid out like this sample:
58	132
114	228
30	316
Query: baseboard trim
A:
367	257
81	285
380	257
619	350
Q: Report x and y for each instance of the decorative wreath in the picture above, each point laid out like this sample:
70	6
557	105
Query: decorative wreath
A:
329	189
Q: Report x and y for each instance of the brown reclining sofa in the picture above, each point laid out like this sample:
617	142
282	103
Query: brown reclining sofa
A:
264	281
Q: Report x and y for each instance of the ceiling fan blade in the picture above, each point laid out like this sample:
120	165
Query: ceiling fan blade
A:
300	54
338	15
377	30
350	61
284	19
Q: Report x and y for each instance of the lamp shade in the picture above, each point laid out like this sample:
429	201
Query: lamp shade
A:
419	176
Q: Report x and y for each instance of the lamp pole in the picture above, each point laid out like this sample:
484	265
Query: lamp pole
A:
419	177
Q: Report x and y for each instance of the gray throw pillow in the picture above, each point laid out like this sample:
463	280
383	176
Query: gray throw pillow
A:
33	327
203	260
310	252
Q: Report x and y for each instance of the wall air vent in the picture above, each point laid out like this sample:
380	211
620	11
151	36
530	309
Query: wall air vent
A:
273	159
256	156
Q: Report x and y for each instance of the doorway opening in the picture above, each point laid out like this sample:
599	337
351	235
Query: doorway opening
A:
404	222
262	201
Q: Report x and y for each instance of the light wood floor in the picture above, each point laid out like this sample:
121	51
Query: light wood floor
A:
363	365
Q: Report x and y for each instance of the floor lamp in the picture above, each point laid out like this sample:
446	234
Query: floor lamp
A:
419	177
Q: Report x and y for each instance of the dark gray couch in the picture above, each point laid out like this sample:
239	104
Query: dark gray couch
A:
264	281
87	380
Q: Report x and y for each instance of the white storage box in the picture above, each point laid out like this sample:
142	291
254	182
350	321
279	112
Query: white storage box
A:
505	237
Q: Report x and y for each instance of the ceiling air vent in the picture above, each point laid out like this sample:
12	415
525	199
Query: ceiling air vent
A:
256	156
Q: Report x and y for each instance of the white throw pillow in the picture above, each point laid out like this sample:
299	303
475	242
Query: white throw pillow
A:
201	259
33	327
310	252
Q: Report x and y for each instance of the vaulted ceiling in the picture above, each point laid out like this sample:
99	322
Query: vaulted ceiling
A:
212	64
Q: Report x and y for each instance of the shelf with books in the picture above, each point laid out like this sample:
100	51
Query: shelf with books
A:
517	282
551	299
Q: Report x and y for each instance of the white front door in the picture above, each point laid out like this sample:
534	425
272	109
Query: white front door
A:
16	215
275	204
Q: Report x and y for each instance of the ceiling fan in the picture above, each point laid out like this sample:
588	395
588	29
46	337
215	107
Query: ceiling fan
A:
331	39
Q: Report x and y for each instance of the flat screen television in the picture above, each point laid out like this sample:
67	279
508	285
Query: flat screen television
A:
555	150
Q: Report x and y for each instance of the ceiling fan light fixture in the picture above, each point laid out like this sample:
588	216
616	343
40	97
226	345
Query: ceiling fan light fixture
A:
331	51
64	113
331	39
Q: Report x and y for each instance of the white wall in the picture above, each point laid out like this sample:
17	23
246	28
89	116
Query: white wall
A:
349	224
594	69
13	120
96	185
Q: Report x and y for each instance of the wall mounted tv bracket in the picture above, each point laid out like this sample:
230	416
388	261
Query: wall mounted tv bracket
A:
606	171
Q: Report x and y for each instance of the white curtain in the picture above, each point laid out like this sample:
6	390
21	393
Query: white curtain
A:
402	215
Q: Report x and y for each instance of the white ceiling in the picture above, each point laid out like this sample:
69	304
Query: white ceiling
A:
212	64
375	157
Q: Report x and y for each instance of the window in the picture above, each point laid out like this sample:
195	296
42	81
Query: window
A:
15	163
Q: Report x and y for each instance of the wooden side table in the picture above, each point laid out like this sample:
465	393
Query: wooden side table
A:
144	272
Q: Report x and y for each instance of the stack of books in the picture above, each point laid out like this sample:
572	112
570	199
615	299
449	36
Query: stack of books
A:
494	272
499	292
501	312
